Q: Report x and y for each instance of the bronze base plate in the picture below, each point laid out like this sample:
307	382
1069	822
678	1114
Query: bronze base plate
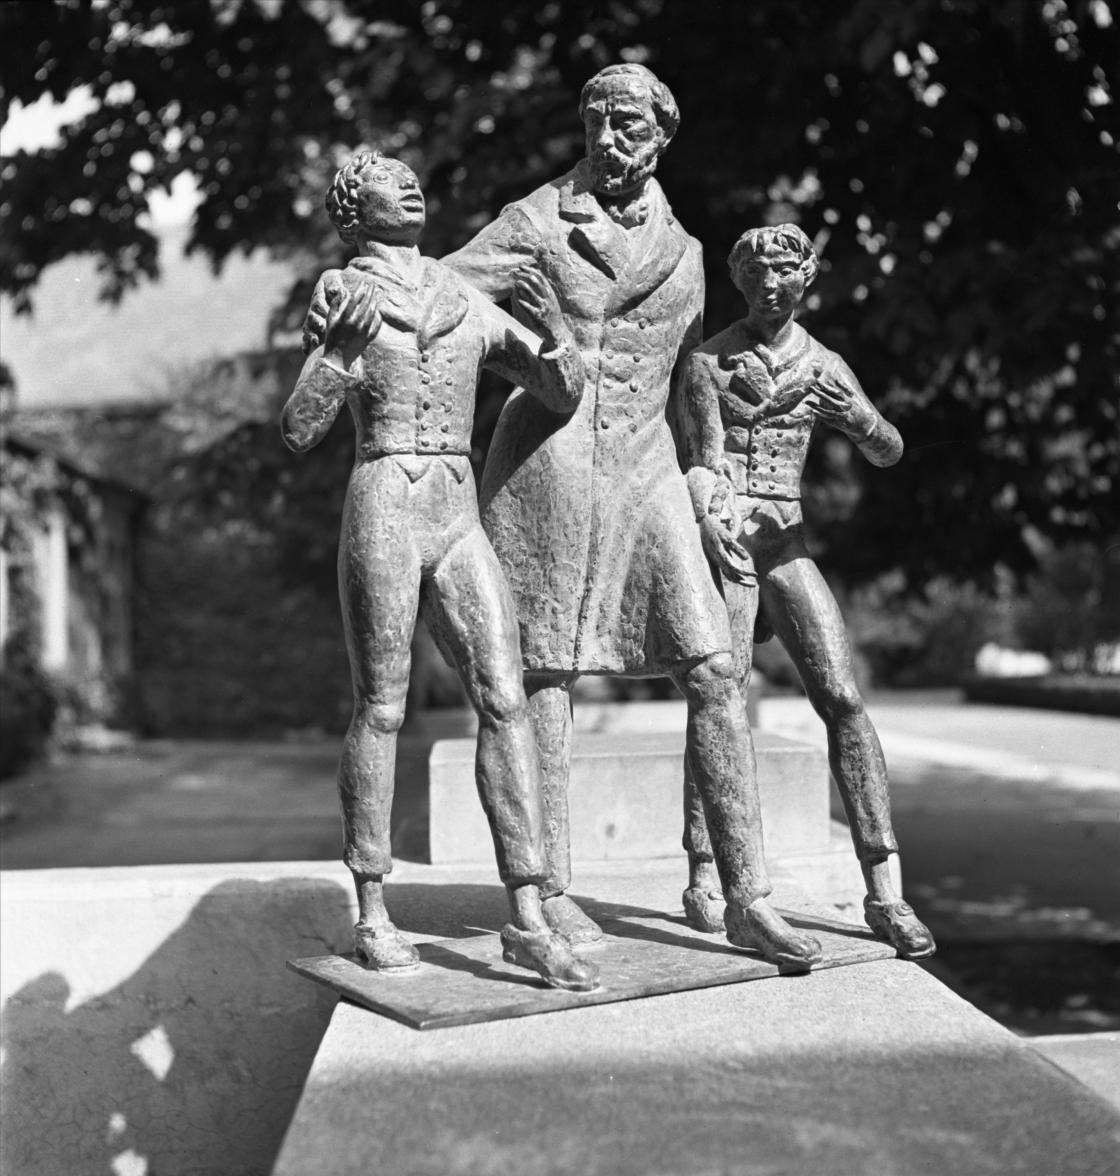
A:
464	981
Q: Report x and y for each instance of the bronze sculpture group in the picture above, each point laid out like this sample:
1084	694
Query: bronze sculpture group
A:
588	553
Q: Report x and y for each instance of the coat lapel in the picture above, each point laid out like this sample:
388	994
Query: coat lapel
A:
437	308
445	303
663	246
397	299
637	267
593	234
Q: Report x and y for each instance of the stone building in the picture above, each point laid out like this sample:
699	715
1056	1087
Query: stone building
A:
77	543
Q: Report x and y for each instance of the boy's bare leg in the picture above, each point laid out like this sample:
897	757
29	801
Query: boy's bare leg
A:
810	626
473	614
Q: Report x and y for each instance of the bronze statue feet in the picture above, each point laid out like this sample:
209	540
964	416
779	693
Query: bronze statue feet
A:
761	928
566	919
703	909
384	949
895	923
550	956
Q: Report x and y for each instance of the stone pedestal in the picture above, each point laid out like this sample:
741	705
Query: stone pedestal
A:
626	803
870	1068
625	798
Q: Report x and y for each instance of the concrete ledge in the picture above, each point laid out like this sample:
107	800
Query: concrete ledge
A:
1092	1058
870	1068
625	798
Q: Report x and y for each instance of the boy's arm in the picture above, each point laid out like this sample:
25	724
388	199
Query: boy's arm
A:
550	368
351	321
839	400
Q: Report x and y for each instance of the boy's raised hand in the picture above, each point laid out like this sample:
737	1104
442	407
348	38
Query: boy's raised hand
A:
836	398
353	320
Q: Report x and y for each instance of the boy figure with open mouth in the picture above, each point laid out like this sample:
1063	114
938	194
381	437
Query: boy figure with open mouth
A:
402	339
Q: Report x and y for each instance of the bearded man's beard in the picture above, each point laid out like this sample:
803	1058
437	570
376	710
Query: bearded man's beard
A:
613	173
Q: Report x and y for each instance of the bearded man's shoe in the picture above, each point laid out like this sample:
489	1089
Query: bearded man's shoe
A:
566	919
760	928
551	957
703	909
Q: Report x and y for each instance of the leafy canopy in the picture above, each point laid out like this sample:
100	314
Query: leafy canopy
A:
956	161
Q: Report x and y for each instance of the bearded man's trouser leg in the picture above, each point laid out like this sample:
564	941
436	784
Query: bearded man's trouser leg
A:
742	608
550	710
720	756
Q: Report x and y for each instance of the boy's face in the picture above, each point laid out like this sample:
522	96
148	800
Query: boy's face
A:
772	282
390	204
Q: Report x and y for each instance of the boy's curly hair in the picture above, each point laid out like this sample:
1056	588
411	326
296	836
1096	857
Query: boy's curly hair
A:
341	200
786	237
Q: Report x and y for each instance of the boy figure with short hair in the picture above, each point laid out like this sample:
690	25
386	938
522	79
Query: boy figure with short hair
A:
773	382
402	340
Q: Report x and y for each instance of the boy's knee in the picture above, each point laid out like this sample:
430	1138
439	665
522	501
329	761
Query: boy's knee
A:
379	717
842	700
710	678
502	702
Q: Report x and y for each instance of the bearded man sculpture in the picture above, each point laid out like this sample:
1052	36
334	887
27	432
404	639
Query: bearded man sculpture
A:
592	520
401	339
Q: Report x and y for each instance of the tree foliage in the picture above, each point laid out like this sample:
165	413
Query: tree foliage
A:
957	162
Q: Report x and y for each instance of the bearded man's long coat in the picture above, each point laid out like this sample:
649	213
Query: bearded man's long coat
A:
589	512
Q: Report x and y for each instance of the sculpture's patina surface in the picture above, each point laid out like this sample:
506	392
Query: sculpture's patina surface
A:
592	520
401	339
770	382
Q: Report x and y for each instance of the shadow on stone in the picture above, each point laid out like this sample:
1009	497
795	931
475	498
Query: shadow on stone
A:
195	1062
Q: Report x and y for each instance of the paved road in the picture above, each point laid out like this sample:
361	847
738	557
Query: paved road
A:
1009	823
1002	813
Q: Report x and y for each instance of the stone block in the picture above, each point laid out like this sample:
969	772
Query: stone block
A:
626	801
874	1068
